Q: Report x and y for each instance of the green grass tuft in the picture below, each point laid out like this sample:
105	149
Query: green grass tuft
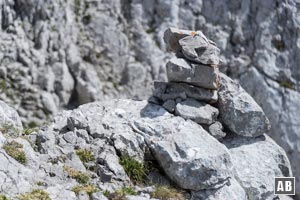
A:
85	155
79	176
28	131
106	193
286	84
14	149
136	171
3	197
41	183
120	194
3	86
167	193
9	129
89	189
36	194
32	124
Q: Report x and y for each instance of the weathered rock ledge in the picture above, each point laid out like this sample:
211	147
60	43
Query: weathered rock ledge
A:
238	167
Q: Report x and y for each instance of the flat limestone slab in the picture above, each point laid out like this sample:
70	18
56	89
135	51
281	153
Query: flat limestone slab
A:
196	111
163	90
180	70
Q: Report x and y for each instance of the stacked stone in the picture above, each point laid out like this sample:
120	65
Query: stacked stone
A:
193	79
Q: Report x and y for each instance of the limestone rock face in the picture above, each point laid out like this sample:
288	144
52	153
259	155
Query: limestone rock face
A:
238	110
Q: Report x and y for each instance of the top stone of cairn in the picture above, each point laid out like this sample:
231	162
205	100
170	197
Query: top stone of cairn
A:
192	45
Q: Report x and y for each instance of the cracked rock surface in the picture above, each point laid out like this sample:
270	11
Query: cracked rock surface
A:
187	154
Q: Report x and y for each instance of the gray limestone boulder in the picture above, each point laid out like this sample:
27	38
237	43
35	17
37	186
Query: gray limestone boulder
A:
180	70
181	147
197	49
239	111
257	161
199	112
188	159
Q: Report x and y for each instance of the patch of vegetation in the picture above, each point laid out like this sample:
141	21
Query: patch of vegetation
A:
14	149
77	8
3	85
279	45
36	194
167	193
115	85
120	194
32	124
30	128
106	193
150	30
3	197
9	129
136	171
89	189
286	84
126	191
85	155
79	176
157	43
54	29
58	159
28	131
41	183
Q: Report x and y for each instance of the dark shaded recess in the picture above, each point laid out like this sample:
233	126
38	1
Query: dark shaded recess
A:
86	19
74	100
126	8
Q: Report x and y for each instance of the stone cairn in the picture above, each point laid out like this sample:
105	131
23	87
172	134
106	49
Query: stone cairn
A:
193	79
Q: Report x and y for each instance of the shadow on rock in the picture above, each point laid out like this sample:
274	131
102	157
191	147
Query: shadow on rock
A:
152	111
